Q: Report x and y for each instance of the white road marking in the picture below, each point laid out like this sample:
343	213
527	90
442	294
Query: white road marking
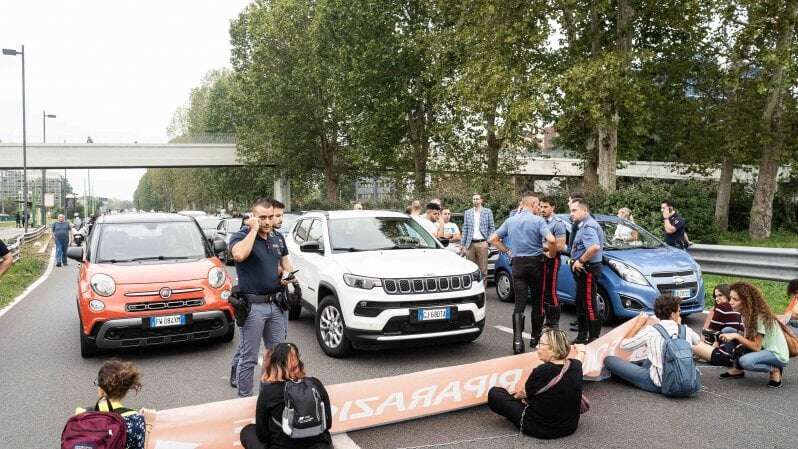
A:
342	441
33	286
526	335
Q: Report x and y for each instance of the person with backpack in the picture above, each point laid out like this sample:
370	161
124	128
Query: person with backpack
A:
293	410
669	368
765	348
108	424
549	403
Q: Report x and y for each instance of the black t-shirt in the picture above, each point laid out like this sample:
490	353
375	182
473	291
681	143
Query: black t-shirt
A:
554	413
677	238
257	274
271	404
3	249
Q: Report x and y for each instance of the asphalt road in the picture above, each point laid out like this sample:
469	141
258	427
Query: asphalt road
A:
44	379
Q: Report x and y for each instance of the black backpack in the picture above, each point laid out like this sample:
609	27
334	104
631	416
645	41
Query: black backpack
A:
304	414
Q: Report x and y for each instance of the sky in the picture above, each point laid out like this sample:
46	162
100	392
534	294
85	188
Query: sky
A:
113	70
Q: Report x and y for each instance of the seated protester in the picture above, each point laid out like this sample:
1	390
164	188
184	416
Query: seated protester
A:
722	315
792	292
282	365
114	380
765	349
647	374
546	413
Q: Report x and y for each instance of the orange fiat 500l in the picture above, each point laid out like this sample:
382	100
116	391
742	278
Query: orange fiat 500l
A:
150	279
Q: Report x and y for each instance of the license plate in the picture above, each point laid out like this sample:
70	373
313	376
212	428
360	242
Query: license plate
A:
434	314
682	293
168	320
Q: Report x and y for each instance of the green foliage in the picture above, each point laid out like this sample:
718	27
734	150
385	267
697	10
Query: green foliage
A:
23	273
775	292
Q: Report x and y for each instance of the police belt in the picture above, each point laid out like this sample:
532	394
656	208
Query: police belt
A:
257	299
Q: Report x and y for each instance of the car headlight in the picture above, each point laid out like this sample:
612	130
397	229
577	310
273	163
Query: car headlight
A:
103	285
627	273
363	282
95	305
476	276
216	277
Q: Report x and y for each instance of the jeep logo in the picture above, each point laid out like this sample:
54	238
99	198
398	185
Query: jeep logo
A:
165	292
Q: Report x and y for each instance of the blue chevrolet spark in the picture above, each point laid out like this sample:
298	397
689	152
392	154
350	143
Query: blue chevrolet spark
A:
637	267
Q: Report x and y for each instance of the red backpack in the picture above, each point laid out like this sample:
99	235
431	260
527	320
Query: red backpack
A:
96	430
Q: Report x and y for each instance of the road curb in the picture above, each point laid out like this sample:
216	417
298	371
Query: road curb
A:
33	286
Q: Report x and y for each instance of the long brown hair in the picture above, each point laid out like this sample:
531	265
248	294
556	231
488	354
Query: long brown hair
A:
754	308
282	363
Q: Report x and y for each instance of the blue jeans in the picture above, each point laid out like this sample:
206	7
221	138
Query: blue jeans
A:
762	361
267	322
60	251
634	373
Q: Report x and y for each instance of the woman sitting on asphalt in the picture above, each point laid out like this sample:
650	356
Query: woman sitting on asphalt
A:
542	412
764	348
281	364
792	292
114	380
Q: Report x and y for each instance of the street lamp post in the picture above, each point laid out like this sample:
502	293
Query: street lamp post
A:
12	52
45	116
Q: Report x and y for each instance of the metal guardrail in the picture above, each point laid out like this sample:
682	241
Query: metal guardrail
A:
20	240
778	264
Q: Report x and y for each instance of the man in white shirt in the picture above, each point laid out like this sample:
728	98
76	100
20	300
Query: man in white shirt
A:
647	375
431	220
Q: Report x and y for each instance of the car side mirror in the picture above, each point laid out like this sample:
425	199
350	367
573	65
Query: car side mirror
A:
219	246
221	232
444	242
311	247
75	253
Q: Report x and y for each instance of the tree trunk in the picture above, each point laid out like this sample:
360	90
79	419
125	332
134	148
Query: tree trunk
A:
590	176
418	139
608	154
724	194
331	175
493	145
767	180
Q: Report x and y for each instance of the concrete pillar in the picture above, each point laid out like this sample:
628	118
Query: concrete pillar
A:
282	190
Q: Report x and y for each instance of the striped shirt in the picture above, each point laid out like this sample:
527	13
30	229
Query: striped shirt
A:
724	316
653	342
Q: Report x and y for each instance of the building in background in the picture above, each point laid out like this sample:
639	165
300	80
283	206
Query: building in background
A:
11	189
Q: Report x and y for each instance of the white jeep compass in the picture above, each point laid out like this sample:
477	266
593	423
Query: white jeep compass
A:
377	279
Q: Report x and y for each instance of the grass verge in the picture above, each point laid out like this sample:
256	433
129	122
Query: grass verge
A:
775	292
22	274
778	239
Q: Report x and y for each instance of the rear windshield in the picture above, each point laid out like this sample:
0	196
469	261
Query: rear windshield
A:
130	242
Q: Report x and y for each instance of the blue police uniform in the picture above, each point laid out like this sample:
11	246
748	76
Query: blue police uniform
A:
588	233
551	268
259	283
526	232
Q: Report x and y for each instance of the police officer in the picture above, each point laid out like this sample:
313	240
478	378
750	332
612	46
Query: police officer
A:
674	226
525	233
586	254
551	264
259	256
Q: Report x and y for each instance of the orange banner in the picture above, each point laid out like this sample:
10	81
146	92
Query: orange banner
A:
372	402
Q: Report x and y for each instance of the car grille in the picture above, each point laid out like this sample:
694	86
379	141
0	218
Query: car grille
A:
402	325
163	305
666	282
426	285
374	308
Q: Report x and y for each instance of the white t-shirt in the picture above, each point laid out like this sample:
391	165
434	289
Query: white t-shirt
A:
652	341
428	225
477	233
623	232
450	228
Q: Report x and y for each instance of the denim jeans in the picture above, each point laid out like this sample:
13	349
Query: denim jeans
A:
634	373
762	361
267	322
60	251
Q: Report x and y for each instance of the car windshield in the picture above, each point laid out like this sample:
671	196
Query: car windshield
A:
289	220
627	235
208	222
378	233
129	242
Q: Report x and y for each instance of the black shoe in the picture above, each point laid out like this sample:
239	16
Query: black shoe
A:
518	330
533	343
774	384
580	340
728	375
58	264
233	377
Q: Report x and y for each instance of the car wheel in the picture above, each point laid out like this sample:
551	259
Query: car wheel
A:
294	312
88	349
330	328
605	307
504	286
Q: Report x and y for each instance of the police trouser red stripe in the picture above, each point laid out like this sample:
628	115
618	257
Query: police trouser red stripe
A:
589	296
551	269
586	292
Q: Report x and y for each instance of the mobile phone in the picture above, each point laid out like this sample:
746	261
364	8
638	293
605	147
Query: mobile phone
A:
290	275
